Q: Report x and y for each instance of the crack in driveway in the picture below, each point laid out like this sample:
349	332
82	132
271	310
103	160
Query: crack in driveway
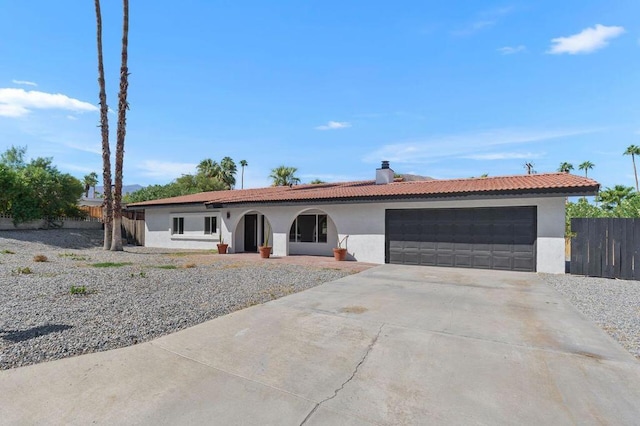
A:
355	371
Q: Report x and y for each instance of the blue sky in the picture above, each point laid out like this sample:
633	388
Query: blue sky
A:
440	88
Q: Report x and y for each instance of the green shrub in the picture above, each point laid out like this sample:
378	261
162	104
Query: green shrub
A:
78	289
110	264
23	271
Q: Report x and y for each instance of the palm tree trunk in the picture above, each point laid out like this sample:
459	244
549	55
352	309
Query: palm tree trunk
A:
242	179
116	238
634	171
107	206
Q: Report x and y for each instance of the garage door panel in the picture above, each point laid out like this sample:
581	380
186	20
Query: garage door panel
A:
411	258
428	259
444	259
482	261
501	262
523	264
463	261
445	245
482	247
496	238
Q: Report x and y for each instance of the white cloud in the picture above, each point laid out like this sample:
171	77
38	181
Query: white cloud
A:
76	168
24	82
12	110
509	50
334	125
165	169
435	148
503	156
587	41
92	148
19	102
72	117
485	20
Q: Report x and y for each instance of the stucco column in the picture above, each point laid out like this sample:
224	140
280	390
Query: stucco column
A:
280	244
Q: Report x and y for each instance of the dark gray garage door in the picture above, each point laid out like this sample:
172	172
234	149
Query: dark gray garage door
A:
488	238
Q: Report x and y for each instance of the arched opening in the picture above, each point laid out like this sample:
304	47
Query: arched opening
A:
312	232
252	230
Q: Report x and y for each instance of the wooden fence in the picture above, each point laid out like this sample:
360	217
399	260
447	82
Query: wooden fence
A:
606	247
133	227
92	211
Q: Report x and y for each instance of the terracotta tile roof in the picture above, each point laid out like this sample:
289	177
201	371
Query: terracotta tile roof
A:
546	183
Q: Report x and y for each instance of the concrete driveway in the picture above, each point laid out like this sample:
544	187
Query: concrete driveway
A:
391	345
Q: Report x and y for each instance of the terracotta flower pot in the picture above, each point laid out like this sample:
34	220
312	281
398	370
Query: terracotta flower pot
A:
340	254
222	248
265	252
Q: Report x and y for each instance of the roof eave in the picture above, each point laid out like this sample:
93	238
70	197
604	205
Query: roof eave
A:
555	192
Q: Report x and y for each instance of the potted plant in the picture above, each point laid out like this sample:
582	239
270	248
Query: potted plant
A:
340	253
265	249
222	247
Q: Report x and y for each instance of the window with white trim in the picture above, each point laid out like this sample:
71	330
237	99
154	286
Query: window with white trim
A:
309	228
210	225
178	226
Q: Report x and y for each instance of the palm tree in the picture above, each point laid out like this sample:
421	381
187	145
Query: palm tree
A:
565	167
612	198
243	164
209	168
123	106
228	172
90	181
104	130
283	176
633	150
586	166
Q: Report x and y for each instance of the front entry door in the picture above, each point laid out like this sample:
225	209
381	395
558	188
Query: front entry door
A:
251	232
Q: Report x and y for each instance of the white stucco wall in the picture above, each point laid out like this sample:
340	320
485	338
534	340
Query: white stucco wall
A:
158	223
364	223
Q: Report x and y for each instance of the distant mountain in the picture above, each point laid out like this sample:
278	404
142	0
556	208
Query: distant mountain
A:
411	178
126	189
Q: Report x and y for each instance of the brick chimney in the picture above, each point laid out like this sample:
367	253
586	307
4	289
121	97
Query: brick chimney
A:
384	174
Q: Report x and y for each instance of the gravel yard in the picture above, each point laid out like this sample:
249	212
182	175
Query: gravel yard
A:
612	304
122	298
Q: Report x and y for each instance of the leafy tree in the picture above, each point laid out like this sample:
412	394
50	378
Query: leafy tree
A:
36	190
317	182
207	178
581	208
14	157
90	181
630	206
633	150
586	166
611	198
9	185
243	164
283	176
565	167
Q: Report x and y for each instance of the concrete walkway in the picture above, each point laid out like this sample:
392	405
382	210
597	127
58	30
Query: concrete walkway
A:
391	345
